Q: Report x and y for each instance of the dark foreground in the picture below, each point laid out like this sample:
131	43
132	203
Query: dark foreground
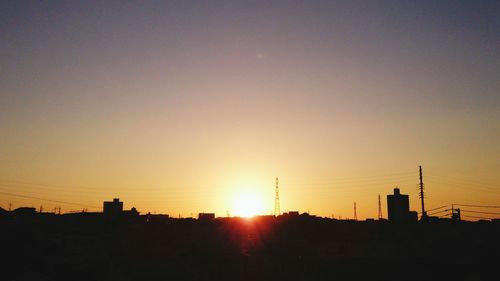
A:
302	248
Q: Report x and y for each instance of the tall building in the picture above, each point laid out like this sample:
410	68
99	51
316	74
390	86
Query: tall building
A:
398	207
113	208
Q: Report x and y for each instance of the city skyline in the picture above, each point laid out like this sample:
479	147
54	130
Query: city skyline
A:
248	204
182	107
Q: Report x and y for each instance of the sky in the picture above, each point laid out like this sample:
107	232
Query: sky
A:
181	107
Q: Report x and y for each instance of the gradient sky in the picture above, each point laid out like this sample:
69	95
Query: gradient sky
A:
180	107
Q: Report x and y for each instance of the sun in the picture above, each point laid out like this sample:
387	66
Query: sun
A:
247	204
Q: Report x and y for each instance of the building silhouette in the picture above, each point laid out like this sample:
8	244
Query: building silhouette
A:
113	208
132	212
398	207
206	216
292	213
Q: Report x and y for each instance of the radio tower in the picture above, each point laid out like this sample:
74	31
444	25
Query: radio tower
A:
355	215
277	199
379	208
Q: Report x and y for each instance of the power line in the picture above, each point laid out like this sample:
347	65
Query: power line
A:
462	180
466	186
366	178
438	212
490	186
477	206
40	188
445	215
479	212
137	193
360	187
48	200
10	182
354	182
476	217
437	208
43	188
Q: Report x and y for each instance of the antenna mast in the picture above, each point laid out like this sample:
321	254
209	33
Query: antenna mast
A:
421	193
276	199
355	215
379	208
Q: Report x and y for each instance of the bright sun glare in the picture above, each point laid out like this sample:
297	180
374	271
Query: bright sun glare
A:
247	204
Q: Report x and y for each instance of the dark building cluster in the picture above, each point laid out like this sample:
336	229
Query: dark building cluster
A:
114	209
398	208
118	244
292	246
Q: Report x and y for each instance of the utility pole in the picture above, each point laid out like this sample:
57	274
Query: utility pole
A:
41	208
10	207
421	194
379	208
455	213
355	215
276	199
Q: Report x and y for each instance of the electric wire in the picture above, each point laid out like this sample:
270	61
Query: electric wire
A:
477	206
438	208
479	212
478	217
442	211
48	200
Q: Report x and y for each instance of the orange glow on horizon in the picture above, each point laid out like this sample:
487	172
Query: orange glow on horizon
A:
247	204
